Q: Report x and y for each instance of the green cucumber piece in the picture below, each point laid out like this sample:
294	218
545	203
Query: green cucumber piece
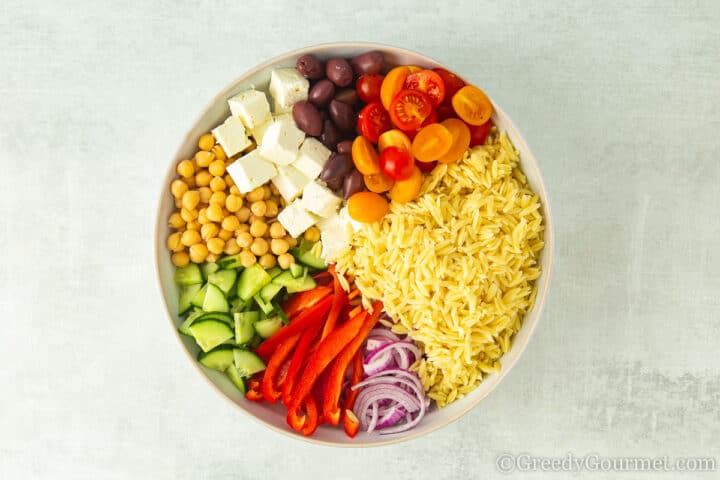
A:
252	280
184	327
208	268
236	379
247	362
215	300
199	297
187	293
266	328
280	313
219	316
188	275
223	279
238	305
266	307
269	291
284	279
302	284
274	272
244	330
305	245
307	258
233	261
210	333
296	270
219	359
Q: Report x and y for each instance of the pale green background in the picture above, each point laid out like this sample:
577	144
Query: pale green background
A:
619	101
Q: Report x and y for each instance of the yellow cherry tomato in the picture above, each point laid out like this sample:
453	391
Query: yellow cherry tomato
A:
367	207
394	138
365	157
472	105
378	183
431	142
393	83
460	140
406	190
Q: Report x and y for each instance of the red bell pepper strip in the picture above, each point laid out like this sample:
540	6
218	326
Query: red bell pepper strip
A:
270	389
351	425
306	319
357	376
331	396
311	416
303	300
340	299
298	360
319	277
295	420
355	311
254	391
354	293
326	352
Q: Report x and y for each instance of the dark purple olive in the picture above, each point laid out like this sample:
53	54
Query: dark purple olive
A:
339	71
347	95
330	135
310	67
343	115
353	183
368	62
336	169
345	146
321	93
307	118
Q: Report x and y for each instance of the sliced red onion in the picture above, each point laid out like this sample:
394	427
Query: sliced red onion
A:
384	332
391	418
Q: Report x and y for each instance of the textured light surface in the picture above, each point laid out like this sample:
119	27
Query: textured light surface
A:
618	102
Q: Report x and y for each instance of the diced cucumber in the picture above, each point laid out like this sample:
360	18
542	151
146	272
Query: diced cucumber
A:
255	342
233	261
307	258
210	333
269	291
215	300
280	313
187	293
296	270
302	284
264	306
236	379
208	268
188	275
247	362
274	272
219	316
306	245
223	279
184	327
219	359
244	330
284	279
199	297
238	305
252	279
266	328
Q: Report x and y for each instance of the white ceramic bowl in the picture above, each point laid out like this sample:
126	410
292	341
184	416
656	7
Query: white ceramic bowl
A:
274	416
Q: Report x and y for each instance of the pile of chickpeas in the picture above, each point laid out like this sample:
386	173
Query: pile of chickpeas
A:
213	218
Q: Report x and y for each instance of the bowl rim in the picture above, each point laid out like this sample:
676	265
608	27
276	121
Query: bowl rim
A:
539	304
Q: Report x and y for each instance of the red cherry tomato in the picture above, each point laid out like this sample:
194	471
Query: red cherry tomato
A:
478	133
372	121
428	82
396	163
453	83
426	166
446	111
409	109
368	87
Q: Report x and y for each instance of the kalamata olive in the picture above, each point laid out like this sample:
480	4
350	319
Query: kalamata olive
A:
347	95
343	115
322	92
330	135
368	62
353	183
323	116
310	67
336	169
345	146
339	71
307	118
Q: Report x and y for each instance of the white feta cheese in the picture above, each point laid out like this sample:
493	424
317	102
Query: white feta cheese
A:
259	131
281	141
335	235
319	200
354	224
287	86
290	182
251	171
231	136
252	107
296	219
311	157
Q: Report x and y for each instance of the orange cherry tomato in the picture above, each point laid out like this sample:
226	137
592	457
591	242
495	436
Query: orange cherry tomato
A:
472	105
414	68
365	157
378	183
429	82
405	190
460	140
431	143
409	109
394	138
392	84
367	207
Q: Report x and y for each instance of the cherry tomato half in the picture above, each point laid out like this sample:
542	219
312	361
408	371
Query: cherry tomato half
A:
367	206
478	133
445	111
378	182
460	140
432	118
396	163
428	82
392	84
452	82
368	87
373	120
364	156
472	105
431	143
394	138
409	109
405	190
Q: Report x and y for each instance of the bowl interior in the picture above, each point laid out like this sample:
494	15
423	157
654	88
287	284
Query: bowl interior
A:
274	416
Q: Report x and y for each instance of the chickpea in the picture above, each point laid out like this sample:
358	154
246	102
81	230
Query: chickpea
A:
216	245
194	225
178	202
211	258
219	153
267	261
277	230
247	258
271	208
190	199
219	198
258	208
180	259
175	220
178	188
278	246
217	168
206	142
258	228
214	213
274	189
243	228
217	184
285	260
198	253
225	234
185	169
256	195
203	178
173	242
190	237
209	231
205	194
230	223
204	159
312	234
190	182
231	247
202	216
235	190
243	214
229	180
233	203
291	241
283	203
267	192
244	239
188	215
259	247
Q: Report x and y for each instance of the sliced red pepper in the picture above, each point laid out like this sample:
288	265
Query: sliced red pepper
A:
306	319
340	299
303	300
357	376
322	276
355	311
295	420
298	360
351	425
331	397
354	293
254	391
311	416
270	382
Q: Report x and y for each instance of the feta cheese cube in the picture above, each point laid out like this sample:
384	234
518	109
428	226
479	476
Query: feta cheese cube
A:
281	141
311	157
335	235
259	131
252	107
290	182
296	219
287	86
319	200
251	171
231	136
